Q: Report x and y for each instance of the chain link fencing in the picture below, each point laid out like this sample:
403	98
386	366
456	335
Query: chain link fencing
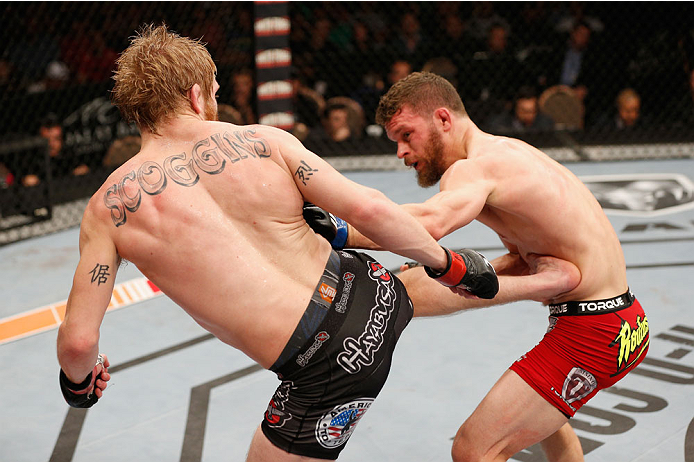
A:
585	81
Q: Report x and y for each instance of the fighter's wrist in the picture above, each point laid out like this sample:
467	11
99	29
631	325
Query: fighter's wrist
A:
341	233
438	272
75	387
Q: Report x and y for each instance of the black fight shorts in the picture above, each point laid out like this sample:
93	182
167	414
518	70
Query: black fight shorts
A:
338	358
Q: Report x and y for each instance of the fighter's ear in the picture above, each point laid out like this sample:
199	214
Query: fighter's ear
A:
443	118
197	102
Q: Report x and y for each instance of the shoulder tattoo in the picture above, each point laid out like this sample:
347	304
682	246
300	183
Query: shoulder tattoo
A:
208	156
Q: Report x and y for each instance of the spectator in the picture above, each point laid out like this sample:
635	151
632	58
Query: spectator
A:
360	49
57	76
35	49
374	87
525	117
573	57
308	106
453	37
411	43
626	114
482	18
496	74
398	71
628	110
533	30
574	13
317	48
341	128
442	66
243	96
61	164
573	64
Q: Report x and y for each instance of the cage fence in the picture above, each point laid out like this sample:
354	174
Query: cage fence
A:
585	81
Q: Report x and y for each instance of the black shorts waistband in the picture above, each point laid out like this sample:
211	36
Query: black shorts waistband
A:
315	313
607	305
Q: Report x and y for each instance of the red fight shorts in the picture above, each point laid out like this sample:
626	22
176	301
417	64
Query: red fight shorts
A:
589	345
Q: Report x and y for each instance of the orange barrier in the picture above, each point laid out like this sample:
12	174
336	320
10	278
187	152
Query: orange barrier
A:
50	316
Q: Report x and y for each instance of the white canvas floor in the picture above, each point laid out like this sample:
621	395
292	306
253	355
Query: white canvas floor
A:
177	394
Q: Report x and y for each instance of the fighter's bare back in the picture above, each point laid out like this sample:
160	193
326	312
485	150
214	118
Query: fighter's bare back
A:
191	230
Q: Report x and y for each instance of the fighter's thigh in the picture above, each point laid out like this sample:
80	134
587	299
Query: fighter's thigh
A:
262	450
510	418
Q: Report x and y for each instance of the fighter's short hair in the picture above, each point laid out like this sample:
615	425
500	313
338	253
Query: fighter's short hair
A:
423	92
156	71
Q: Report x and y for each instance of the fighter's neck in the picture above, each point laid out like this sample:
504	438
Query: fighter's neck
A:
181	128
464	140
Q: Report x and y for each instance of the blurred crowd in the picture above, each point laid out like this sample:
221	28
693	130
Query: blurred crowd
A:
520	67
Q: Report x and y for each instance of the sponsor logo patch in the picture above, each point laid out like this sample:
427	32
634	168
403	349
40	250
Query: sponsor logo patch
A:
601	305
336	426
362	351
327	292
275	415
632	343
552	324
578	384
341	305
558	309
320	337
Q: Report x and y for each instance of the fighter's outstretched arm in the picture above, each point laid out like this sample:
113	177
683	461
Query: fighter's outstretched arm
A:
367	209
543	279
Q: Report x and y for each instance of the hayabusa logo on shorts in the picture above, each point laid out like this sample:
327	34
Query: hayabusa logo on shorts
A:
275	415
361	352
378	271
335	427
578	384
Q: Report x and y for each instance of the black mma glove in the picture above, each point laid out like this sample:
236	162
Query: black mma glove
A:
333	228
81	394
470	270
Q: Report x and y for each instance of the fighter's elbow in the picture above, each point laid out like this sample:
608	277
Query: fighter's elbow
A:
73	344
375	208
437	230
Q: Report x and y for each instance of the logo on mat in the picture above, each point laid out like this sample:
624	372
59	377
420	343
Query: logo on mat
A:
275	415
362	351
578	384
327	292
645	194
631	340
336	426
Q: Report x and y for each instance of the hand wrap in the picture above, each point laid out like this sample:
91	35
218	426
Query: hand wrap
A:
470	270
333	228
81	394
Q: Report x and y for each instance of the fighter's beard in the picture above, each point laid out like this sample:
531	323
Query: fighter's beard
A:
434	168
210	112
